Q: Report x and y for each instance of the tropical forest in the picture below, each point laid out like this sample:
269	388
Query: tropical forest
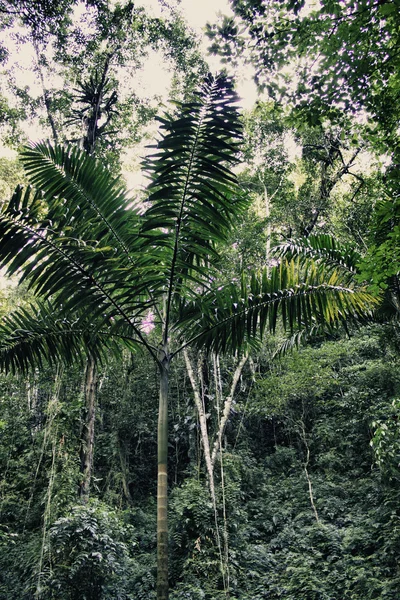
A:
199	300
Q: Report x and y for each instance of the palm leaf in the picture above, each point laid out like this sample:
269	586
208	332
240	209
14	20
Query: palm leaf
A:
82	197
75	239
301	298
35	335
336	255
40	334
193	194
324	248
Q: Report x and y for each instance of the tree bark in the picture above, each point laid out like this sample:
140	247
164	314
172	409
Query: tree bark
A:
92	129
227	408
268	232
87	447
203	423
162	480
305	466
124	471
267	205
328	181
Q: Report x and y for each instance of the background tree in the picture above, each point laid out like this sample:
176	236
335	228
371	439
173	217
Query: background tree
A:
344	56
77	50
267	175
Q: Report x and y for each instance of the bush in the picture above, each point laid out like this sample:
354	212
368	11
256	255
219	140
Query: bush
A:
88	556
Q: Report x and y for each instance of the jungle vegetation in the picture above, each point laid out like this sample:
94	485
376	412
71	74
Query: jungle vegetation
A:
199	385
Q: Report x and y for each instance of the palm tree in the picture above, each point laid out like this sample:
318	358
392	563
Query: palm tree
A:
101	265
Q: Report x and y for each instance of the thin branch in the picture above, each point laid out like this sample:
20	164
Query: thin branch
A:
305	466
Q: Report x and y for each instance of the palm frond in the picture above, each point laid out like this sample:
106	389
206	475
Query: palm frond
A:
35	335
70	238
321	247
82	197
193	195
41	334
301	298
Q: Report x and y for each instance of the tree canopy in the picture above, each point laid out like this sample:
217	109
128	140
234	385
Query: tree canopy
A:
344	55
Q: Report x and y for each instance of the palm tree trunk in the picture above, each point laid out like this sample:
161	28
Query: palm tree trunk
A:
162	481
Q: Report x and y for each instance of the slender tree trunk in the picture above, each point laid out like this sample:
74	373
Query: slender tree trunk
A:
225	556
209	457
305	466
88	429
32	393
267	205
203	423
124	471
329	181
92	130
46	94
162	480
267	216
227	408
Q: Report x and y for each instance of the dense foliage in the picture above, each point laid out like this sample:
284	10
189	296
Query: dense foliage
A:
263	259
313	419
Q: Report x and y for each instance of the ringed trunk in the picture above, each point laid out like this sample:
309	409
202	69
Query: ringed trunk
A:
162	483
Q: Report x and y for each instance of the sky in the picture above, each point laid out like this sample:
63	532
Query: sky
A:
197	14
154	77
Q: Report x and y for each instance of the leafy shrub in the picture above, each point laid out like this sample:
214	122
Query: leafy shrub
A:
88	556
